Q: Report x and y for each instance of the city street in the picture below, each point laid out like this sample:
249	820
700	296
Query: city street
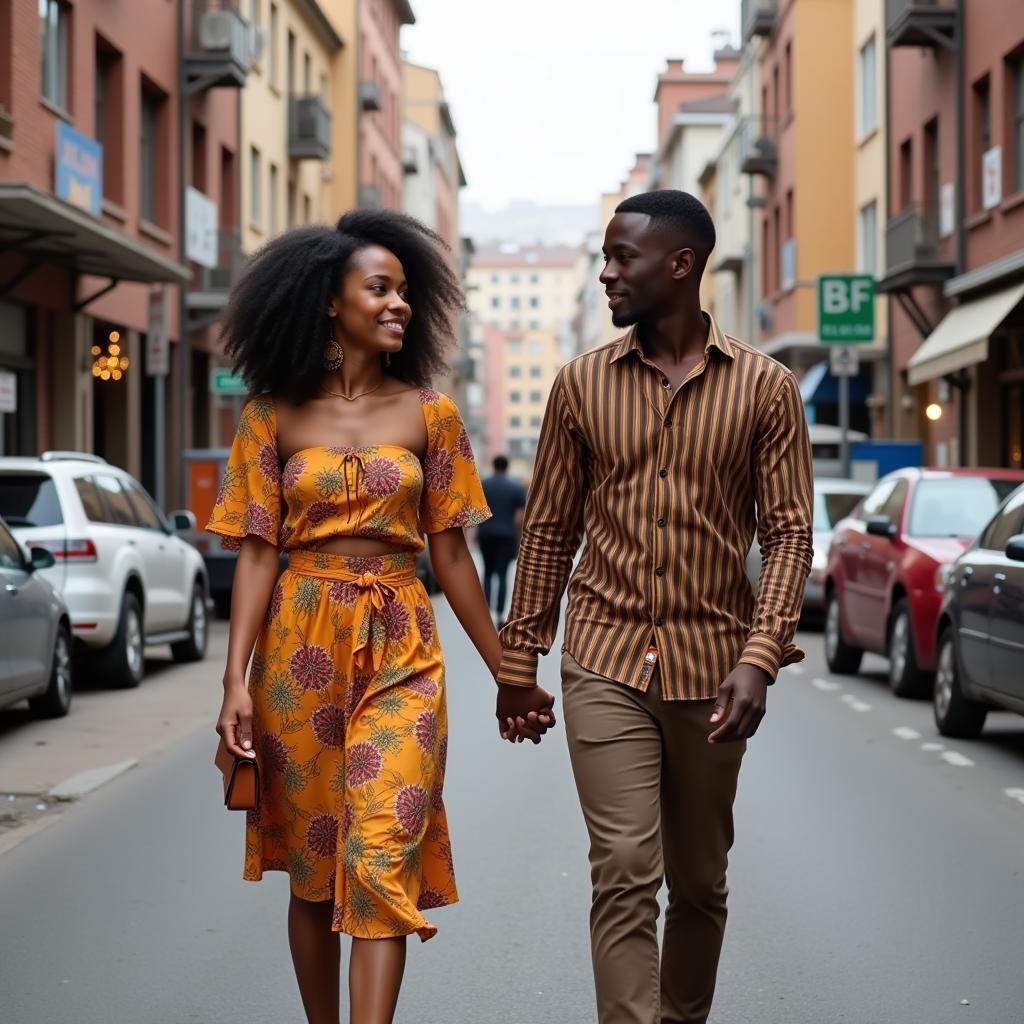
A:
877	876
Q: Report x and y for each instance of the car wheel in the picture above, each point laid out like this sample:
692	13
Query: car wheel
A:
123	663
194	648
905	677
955	714
222	604
840	656
56	701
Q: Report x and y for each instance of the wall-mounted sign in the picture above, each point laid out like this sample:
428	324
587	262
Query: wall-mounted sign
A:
158	345
200	228
78	168
846	309
947	209
992	177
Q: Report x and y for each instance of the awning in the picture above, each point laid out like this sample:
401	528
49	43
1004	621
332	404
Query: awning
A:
961	340
39	224
819	387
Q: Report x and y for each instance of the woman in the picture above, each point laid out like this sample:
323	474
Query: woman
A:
344	460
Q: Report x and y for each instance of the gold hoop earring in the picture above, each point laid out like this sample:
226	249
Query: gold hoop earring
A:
334	354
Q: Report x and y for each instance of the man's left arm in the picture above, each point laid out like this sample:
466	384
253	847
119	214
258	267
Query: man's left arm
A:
784	492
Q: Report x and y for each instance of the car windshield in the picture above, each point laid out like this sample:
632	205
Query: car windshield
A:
29	499
956	506
831	506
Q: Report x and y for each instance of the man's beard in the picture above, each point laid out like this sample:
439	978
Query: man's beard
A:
625	318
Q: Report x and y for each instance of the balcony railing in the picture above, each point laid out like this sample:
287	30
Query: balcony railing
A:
921	23
757	18
758	146
369	96
209	290
913	249
309	128
219	46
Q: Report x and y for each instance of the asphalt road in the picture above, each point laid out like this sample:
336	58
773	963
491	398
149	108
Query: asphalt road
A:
877	878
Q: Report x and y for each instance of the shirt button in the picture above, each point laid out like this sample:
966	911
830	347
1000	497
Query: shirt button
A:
661	523
660	571
663	473
659	622
665	383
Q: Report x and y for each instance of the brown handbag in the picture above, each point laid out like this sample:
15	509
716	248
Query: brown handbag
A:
241	780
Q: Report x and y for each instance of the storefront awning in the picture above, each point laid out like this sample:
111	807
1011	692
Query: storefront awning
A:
819	387
961	340
40	225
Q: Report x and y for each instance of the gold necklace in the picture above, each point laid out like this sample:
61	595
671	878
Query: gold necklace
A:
352	398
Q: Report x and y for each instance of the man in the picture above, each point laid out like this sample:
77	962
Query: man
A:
666	449
499	536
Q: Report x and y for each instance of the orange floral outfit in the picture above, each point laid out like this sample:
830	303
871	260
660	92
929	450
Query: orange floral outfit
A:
347	678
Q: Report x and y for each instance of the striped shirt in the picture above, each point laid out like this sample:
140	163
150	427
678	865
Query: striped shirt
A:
668	488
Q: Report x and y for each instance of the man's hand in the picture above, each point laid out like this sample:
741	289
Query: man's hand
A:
524	712
741	703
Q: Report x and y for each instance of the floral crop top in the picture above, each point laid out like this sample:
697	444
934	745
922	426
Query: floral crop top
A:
380	492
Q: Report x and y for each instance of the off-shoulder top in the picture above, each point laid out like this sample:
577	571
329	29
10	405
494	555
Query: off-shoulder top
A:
378	492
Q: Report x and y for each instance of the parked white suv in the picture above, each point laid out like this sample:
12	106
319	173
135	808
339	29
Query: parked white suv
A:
128	580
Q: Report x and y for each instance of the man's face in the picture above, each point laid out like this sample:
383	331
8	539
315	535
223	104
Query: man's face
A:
641	270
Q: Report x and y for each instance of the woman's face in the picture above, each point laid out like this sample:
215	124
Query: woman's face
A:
371	312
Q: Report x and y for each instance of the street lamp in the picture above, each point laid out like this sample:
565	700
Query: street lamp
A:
933	411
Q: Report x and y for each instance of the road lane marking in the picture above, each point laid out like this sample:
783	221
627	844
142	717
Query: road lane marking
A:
795	670
85	782
1015	793
856	704
952	757
932	746
906	733
825	684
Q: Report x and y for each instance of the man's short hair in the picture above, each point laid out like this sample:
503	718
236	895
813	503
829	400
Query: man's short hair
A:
500	464
681	213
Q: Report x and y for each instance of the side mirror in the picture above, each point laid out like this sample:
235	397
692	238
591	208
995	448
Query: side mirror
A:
1015	548
183	521
881	526
42	558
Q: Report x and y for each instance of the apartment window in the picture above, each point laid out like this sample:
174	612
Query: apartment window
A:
255	16
766	281
272	201
514	324
534	325
534	302
777	232
776	97
290	57
906	174
495	302
536	348
515	348
108	129
255	175
1017	122
536	372
150	157
495	278
54	26
536	396
514	279
787	76
307	210
228	211
535	279
515	397
867	238
982	133
515	372
867	88
515	302
932	183
273	44
515	421
323	86
307	74
292	196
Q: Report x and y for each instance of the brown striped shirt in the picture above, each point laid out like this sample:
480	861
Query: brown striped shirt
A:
668	489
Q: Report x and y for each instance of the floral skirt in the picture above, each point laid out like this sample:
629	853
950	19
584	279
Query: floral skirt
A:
350	723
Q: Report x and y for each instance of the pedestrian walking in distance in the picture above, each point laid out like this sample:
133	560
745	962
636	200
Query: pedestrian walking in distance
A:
345	459
665	450
499	536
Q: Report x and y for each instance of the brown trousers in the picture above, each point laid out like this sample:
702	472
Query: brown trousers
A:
657	799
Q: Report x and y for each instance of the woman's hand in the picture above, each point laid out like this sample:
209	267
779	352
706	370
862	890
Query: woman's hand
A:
234	724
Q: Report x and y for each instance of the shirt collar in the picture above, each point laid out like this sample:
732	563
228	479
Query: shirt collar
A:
717	338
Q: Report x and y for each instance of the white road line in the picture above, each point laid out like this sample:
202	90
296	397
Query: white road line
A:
952	757
796	670
85	782
825	684
906	733
932	746
855	703
1015	793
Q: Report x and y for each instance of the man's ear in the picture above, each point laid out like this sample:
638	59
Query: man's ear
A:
683	261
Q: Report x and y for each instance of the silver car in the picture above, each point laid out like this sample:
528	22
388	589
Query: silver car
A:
834	499
35	632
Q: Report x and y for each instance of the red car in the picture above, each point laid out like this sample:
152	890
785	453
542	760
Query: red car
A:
884	580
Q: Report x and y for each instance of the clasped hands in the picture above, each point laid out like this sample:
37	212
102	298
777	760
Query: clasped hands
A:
524	712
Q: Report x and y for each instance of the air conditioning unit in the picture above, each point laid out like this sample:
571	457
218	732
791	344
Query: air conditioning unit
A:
215	29
257	45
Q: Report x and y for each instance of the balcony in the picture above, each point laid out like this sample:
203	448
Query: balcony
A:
209	290
218	47
369	97
369	197
309	128
921	23
758	149
913	250
757	18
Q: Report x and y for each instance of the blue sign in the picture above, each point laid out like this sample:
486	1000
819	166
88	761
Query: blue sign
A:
78	165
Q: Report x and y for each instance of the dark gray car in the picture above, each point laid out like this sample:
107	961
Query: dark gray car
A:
981	627
35	633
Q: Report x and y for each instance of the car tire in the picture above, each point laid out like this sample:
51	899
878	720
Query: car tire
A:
840	656
906	679
222	604
955	714
123	663
194	648
55	702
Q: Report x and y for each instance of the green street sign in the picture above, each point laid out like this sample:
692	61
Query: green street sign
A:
846	309
224	382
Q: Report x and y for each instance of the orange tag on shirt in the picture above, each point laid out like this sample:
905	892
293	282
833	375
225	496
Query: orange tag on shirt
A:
650	660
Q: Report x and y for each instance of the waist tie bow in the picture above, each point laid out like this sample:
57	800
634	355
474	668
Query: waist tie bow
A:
374	594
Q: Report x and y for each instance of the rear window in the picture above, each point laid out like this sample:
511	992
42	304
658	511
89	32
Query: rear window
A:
29	499
830	507
956	506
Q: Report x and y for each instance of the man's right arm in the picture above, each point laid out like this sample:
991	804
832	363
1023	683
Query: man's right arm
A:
552	530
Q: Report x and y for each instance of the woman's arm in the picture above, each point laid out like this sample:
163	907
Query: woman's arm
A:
255	576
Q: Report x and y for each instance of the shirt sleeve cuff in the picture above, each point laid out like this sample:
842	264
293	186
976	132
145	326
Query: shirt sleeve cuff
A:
518	668
766	654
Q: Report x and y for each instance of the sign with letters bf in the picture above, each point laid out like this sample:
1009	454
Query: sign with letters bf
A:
846	309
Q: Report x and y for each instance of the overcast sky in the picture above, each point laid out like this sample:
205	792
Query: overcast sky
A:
551	98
